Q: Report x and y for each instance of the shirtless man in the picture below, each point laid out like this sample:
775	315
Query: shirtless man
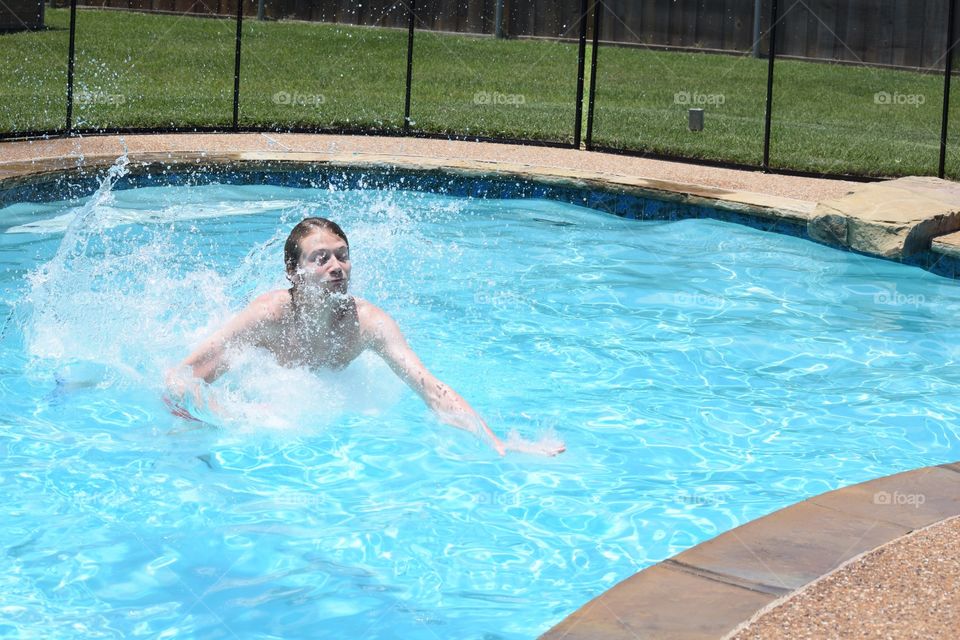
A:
316	324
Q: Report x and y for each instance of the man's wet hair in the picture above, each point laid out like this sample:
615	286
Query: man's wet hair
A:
291	248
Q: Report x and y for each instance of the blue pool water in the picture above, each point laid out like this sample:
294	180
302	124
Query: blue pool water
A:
701	373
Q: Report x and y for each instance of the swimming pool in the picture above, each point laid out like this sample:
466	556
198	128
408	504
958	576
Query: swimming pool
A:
701	373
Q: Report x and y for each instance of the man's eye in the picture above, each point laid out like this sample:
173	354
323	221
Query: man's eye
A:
321	258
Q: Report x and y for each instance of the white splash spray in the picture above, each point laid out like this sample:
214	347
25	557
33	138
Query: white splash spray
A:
120	303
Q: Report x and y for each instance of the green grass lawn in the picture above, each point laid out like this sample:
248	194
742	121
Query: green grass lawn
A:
826	117
141	70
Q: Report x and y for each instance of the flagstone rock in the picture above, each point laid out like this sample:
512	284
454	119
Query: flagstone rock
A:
892	219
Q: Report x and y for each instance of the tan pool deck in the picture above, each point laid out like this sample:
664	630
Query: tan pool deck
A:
17	158
875	560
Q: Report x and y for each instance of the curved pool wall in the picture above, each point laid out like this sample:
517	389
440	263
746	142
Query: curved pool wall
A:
643	205
609	196
720	586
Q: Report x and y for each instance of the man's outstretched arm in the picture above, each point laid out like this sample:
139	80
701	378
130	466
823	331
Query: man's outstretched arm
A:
209	360
384	336
387	340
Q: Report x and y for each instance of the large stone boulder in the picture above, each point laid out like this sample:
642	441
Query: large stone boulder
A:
893	219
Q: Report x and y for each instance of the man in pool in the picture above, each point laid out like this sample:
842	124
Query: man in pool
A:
315	323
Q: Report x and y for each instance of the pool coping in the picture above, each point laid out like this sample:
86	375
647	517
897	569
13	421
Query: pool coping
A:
758	204
716	588
908	220
73	150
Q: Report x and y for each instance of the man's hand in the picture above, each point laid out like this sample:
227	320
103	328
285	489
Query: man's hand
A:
545	446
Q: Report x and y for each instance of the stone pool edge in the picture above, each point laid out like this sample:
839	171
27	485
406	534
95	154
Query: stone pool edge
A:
719	586
761	205
914	220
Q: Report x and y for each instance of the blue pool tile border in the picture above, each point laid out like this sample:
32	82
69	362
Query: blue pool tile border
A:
614	200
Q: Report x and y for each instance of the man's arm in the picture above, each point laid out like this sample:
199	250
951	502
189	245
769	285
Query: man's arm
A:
209	360
384	336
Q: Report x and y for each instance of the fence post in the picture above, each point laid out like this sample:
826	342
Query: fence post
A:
771	56
757	12
236	69
947	71
597	11
406	103
71	55
581	63
498	20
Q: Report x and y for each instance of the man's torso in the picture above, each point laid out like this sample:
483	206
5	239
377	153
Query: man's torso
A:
296	340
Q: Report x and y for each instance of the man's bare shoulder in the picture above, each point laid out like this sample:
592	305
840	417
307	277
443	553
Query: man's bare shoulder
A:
369	314
375	323
271	306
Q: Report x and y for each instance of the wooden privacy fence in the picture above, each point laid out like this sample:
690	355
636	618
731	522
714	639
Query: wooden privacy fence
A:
907	33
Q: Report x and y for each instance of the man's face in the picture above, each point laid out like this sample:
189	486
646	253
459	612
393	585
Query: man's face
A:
324	262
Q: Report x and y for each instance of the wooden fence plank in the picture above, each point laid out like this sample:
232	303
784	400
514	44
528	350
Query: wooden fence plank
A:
570	19
649	22
632	16
452	16
706	26
611	24
870	26
474	20
794	31
343	11
549	24
884	43
661	22
732	27
317	11
529	23
932	43
831	29
907	33
687	24
438	16
299	10
815	18
852	45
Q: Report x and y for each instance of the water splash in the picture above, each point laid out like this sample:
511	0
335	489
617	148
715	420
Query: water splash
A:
134	285
59	286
